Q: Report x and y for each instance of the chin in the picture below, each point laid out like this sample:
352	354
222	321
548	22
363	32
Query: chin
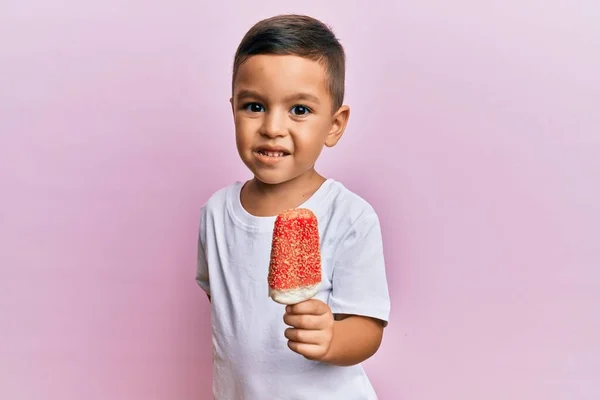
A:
271	180
273	177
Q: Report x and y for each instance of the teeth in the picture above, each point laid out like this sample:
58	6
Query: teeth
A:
272	153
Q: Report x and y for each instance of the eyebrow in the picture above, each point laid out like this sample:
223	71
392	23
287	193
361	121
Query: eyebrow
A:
245	93
303	96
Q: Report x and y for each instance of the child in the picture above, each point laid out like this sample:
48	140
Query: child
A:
287	94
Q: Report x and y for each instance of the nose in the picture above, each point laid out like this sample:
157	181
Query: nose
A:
274	124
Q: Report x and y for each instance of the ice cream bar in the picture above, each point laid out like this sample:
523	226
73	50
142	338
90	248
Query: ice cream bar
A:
295	266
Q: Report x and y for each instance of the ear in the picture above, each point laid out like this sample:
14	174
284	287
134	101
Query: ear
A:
338	126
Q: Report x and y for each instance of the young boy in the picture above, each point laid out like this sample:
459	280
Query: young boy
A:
287	94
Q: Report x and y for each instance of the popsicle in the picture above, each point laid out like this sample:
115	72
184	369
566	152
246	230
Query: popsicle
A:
295	265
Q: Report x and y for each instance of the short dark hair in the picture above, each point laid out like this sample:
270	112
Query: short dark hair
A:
298	35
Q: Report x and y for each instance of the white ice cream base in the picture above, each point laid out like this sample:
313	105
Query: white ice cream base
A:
293	296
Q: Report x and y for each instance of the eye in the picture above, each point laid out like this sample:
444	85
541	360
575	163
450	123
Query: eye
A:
300	110
253	107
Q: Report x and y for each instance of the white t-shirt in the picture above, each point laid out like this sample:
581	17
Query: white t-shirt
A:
251	357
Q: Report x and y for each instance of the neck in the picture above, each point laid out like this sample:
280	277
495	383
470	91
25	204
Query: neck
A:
263	199
308	182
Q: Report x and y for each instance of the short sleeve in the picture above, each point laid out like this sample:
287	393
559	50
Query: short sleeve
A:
202	263
359	282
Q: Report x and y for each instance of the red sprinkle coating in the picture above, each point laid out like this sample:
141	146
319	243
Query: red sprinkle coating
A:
295	251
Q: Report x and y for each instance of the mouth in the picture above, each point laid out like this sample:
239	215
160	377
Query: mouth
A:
274	153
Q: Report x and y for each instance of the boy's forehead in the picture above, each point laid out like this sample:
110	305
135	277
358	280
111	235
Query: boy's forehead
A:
282	75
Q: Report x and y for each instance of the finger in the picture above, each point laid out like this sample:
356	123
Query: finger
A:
305	321
304	336
311	306
310	351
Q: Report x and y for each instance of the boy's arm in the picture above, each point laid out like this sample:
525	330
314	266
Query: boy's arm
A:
202	275
342	340
355	339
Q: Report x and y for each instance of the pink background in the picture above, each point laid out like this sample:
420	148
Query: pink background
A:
475	133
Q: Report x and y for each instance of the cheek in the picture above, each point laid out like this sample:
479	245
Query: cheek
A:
308	148
310	138
245	129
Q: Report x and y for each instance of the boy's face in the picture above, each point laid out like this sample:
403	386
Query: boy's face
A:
283	116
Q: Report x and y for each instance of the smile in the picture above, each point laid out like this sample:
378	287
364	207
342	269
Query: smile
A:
270	157
267	153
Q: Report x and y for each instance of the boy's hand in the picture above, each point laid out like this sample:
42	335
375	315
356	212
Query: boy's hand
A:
311	329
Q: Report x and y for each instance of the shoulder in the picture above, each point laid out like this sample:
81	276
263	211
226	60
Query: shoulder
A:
215	207
350	197
218	200
347	210
346	202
